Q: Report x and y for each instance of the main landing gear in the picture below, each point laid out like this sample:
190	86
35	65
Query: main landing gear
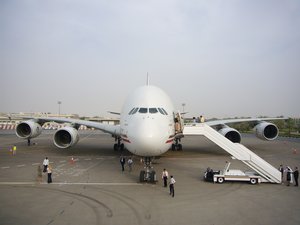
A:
118	146
148	175
176	145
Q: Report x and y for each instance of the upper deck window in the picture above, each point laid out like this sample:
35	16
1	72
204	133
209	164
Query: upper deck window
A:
143	110
153	110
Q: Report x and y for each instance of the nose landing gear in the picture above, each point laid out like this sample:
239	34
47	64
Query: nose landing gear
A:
148	175
118	146
176	145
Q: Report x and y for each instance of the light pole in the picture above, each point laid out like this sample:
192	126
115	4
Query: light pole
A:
59	103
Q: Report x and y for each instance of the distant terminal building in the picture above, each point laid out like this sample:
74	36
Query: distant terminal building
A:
9	121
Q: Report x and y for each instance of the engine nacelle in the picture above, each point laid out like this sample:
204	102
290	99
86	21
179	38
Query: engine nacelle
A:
28	129
266	131
231	134
66	137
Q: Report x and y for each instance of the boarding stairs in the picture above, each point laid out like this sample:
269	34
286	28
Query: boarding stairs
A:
238	151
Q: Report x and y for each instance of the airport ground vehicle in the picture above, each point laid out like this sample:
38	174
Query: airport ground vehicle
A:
232	175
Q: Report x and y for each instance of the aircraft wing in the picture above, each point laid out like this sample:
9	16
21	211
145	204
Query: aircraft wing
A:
228	121
263	130
107	128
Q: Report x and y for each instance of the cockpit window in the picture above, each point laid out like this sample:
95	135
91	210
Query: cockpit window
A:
143	110
135	110
131	111
160	110
165	111
153	110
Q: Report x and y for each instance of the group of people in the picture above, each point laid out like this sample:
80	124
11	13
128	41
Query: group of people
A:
165	177
289	175
46	169
123	162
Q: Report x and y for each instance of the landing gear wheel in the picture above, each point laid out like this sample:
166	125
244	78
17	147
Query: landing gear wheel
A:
142	176
220	180
173	147
153	177
179	147
122	147
116	147
253	181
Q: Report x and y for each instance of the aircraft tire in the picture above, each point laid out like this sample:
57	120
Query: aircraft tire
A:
116	147
142	176
152	176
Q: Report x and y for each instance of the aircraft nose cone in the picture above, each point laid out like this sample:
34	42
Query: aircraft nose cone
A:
148	139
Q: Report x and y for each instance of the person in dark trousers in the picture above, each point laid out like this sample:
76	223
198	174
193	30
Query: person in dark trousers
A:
28	141
288	176
122	161
49	171
165	176
172	190
296	176
281	171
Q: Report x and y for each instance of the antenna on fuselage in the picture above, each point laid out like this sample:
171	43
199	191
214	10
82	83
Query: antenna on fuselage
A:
148	79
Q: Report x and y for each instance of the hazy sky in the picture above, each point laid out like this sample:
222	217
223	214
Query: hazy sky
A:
220	58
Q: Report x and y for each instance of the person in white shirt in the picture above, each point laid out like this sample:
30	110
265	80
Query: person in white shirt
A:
45	164
165	176
172	182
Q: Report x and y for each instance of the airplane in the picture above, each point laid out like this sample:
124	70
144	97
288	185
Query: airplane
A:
149	127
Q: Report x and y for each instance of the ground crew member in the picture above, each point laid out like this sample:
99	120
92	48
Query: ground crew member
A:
296	175
165	176
45	164
172	182
14	150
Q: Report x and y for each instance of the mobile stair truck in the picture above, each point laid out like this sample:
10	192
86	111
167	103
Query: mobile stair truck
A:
236	175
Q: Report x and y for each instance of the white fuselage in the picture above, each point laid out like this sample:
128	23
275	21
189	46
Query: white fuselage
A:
147	122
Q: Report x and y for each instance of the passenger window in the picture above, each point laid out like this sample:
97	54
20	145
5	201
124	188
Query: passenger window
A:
143	110
153	110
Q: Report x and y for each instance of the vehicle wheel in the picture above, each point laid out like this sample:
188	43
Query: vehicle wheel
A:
220	180
253	181
122	147
142	176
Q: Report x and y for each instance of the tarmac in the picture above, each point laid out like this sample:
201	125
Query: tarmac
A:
92	189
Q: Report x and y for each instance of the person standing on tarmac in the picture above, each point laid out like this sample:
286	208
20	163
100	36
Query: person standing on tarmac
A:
49	171
165	176
296	176
122	161
172	190
45	164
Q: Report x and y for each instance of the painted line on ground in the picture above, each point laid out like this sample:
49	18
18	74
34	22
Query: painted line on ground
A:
5	167
21	165
65	183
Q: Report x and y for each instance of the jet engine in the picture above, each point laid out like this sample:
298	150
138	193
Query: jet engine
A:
266	131
66	137
231	134
28	129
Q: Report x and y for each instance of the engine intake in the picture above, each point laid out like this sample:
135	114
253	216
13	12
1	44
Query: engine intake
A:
66	137
231	134
28	129
266	131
